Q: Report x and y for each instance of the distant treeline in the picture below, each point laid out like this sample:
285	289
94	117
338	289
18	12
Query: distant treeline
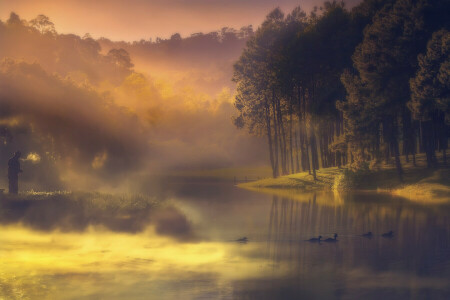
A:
65	54
354	87
197	49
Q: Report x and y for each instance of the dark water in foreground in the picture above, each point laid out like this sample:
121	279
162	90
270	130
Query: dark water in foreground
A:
191	252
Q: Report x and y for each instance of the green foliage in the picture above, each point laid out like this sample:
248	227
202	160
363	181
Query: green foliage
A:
362	115
379	90
253	73
431	86
350	71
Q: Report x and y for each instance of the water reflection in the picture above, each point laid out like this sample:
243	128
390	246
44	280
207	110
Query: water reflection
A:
98	264
78	211
414	262
75	250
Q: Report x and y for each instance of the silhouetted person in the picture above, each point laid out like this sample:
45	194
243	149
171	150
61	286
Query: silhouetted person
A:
13	173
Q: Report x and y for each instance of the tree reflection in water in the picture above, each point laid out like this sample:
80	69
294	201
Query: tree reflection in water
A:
415	260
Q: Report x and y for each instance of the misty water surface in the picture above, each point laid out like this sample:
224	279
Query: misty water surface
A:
186	248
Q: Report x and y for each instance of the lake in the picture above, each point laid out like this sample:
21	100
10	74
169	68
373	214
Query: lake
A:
188	248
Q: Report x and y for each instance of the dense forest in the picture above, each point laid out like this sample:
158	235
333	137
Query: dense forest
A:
348	87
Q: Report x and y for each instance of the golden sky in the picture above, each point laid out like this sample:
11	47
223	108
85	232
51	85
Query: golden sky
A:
136	19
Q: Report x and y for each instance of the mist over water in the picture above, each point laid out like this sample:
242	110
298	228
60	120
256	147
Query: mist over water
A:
131	152
187	247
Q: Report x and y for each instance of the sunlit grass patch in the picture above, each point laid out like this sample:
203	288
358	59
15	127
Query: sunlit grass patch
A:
432	189
302	180
419	183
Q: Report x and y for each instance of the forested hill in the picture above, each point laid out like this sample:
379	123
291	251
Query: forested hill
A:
202	60
84	115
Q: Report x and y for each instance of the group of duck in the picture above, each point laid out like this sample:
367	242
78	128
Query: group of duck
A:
369	234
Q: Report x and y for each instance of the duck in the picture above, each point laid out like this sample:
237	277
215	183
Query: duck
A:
367	235
242	240
332	240
315	239
388	234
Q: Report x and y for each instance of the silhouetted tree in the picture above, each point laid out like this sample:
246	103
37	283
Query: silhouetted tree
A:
430	88
43	24
338	81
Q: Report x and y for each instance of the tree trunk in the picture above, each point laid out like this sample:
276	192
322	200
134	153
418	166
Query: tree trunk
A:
302	130
297	165
313	153
394	144
398	164
282	139
427	140
275	128
269	138
290	136
321	148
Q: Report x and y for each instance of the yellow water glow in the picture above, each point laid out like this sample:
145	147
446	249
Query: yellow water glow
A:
34	260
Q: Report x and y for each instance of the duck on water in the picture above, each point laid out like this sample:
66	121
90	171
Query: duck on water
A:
242	240
389	234
332	240
367	235
315	239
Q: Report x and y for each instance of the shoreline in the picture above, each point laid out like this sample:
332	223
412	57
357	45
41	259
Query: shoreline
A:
420	183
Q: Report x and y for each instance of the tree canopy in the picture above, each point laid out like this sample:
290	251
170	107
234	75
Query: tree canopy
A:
334	87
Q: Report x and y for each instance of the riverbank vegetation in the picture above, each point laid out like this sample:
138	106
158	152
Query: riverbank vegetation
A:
357	88
76	211
81	211
419	183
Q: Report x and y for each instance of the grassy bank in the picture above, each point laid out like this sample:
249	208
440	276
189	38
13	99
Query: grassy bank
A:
419	184
433	189
303	181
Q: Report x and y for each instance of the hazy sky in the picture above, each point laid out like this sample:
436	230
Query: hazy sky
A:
137	19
